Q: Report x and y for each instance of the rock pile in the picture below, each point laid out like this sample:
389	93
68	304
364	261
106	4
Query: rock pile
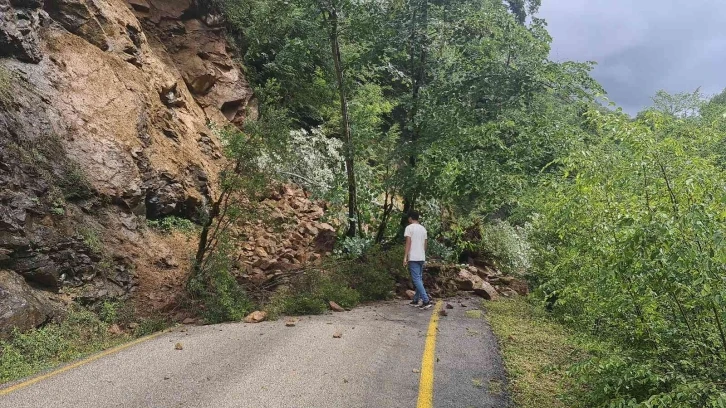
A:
294	236
443	280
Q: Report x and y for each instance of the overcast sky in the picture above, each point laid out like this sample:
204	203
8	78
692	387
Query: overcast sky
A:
642	46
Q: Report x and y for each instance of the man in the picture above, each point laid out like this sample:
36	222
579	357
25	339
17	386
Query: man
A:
415	256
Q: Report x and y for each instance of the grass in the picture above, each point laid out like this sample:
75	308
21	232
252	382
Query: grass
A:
6	92
80	334
537	353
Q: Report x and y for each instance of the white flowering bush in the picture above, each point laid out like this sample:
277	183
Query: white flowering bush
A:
507	245
312	160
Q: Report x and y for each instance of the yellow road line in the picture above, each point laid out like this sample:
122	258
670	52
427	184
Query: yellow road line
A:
77	364
426	384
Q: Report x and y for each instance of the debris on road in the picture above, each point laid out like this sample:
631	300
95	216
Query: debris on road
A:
443	313
338	334
416	370
335	307
178	346
290	322
449	306
255	317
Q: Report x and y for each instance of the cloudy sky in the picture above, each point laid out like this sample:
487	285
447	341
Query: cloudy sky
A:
642	46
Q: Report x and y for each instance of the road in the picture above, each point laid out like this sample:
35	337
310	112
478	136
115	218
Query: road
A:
376	363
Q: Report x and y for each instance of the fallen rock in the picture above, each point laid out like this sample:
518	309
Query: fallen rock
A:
21	306
449	306
178	346
487	291
520	286
410	294
255	317
335	307
443	313
338	334
508	292
290	322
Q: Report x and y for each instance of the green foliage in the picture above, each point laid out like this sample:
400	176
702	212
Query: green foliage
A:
373	275
6	90
506	246
346	282
537	354
172	223
109	312
91	239
628	246
150	326
216	290
243	184
310	293
81	333
353	247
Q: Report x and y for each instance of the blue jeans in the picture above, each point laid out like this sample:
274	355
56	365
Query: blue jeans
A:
416	269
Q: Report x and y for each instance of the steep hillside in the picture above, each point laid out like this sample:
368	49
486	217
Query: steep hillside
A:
104	112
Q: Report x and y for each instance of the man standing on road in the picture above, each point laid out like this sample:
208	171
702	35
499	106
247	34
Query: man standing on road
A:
415	256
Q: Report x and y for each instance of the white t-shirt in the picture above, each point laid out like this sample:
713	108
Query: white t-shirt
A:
418	242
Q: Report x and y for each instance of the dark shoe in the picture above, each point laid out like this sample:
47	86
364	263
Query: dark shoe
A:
427	305
414	304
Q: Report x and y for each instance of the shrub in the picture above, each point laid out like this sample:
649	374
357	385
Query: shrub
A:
506	245
217	291
6	90
373	276
172	223
81	333
91	239
310	293
109	312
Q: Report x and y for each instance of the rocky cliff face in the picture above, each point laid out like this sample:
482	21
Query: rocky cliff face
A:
104	106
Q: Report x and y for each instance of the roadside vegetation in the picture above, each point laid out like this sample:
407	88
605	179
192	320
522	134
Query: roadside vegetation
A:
81	333
537	353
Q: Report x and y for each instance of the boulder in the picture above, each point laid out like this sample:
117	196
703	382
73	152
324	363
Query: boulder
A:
19	30
486	291
255	317
520	286
335	307
508	292
21	307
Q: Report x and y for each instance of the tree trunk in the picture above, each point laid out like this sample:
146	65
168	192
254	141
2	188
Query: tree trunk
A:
347	139
418	75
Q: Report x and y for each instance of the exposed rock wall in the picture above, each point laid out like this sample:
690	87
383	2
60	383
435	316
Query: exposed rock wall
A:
104	106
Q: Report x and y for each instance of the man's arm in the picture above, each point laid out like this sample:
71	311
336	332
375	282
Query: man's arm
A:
408	249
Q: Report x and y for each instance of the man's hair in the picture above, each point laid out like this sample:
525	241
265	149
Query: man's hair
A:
413	215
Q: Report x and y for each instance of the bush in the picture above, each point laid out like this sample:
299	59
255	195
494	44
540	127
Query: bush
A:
172	223
373	276
217	291
629	246
310	294
507	246
81	333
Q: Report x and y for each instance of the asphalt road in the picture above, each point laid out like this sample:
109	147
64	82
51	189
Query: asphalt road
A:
376	363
